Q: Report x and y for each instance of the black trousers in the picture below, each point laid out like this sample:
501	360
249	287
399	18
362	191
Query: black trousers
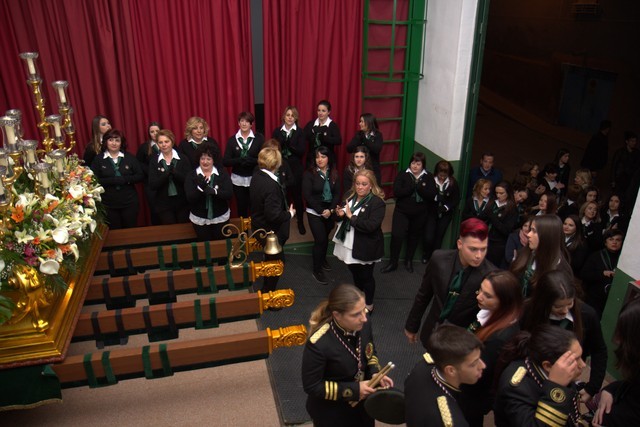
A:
207	233
434	233
320	228
363	279
126	217
409	227
177	215
243	200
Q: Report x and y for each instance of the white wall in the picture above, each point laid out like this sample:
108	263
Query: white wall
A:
629	257
442	93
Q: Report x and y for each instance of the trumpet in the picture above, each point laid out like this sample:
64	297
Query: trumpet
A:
375	380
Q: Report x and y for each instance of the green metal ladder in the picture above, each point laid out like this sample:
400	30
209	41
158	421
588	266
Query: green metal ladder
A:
393	39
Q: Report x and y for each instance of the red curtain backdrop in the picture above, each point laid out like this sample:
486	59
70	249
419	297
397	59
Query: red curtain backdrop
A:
313	51
133	61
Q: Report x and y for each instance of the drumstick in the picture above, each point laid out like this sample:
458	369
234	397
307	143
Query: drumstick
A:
375	380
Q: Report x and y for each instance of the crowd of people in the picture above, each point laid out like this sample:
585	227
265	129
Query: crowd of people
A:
512	313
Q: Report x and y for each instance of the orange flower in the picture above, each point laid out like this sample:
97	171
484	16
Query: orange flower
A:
17	213
51	207
49	253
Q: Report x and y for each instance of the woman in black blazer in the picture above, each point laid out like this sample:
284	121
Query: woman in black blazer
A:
269	204
167	173
321	191
241	155
370	136
118	172
292	147
359	160
414	191
322	132
359	240
196	133
502	216
146	151
208	191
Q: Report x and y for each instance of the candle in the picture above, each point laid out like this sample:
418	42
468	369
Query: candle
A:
32	66
63	98
1	190
60	165
56	127
31	156
44	179
11	134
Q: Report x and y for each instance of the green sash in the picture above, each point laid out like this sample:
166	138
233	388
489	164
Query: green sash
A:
345	225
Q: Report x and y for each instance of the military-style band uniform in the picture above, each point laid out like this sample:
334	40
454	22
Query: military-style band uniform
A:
526	397
429	399
332	361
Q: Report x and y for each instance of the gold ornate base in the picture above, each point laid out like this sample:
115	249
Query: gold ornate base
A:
43	330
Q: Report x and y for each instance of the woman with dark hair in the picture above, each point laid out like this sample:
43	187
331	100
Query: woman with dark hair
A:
564	168
447	197
322	131
547	205
550	180
118	172
477	205
321	191
99	126
241	155
517	239
545	251
576	246
537	387
292	147
591	225
590	194
555	303
500	303
196	133
359	239
369	136
619	404
613	215
148	149
359	160
167	173
208	190
570	204
414	191
339	359
528	179
502	218
599	269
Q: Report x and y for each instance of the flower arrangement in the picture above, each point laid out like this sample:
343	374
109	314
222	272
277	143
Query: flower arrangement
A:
48	231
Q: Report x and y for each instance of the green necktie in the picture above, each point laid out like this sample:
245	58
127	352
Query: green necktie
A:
326	189
210	199
345	225
116	167
452	296
173	191
245	146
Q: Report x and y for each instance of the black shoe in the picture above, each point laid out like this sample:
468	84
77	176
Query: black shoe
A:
301	229
320	278
389	268
408	265
326	266
424	260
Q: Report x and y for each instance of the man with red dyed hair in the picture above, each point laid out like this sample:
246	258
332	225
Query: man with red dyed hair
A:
450	283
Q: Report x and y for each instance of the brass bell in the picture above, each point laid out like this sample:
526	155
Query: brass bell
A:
272	246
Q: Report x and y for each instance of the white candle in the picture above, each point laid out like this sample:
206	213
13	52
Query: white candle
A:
60	165
32	66
11	134
31	156
63	98
56	127
44	180
4	162
1	188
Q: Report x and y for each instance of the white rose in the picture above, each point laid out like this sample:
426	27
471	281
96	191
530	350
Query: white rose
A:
76	191
50	266
60	235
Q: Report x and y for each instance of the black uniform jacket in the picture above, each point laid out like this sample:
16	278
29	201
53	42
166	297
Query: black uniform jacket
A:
368	240
373	143
328	375
525	398
426	402
159	182
198	199
189	151
312	186
438	275
242	166
626	404
328	136
404	188
119	191
269	206
295	146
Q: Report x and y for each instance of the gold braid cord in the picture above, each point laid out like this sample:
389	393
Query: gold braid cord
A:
288	336
277	299
267	268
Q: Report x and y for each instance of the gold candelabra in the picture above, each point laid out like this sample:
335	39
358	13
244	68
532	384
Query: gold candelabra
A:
43	165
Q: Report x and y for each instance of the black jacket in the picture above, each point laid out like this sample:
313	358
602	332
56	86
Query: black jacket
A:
404	188
198	199
189	151
119	191
368	240
329	136
159	182
269	206
312	186
373	143
438	275
242	166
626	404
293	149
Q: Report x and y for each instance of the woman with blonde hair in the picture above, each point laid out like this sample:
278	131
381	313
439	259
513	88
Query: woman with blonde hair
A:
477	205
195	133
583	178
359	240
338	360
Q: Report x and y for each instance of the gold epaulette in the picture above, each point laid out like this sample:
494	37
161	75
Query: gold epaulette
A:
518	375
428	358
445	413
319	333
